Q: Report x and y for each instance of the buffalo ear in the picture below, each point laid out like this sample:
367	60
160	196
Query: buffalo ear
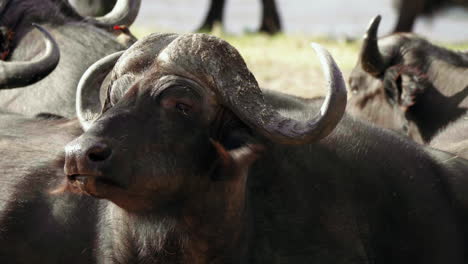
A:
402	86
412	87
227	189
234	164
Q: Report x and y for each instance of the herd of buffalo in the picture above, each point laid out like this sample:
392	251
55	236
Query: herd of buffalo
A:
166	150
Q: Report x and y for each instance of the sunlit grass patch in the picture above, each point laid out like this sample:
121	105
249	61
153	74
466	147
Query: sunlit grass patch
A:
287	62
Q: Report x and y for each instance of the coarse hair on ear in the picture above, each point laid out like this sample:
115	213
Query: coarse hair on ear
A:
234	164
403	84
232	169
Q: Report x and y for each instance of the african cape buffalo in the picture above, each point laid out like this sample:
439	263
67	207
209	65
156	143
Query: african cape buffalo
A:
18	74
409	10
186	162
405	83
81	40
37	227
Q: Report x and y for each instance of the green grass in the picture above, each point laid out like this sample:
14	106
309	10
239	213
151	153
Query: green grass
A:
287	62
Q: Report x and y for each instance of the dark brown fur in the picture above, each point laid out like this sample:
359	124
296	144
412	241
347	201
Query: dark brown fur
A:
214	189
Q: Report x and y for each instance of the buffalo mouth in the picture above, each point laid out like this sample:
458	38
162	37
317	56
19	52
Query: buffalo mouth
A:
94	185
102	187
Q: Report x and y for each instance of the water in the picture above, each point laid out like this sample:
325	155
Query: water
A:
332	18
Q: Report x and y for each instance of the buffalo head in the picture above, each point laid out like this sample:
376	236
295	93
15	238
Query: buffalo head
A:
376	84
179	112
399	78
19	15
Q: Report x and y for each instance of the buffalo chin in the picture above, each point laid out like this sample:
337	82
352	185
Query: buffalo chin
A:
105	188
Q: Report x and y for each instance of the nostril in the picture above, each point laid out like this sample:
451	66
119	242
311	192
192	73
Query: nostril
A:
99	153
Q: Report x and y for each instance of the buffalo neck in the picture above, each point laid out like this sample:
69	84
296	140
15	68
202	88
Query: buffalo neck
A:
443	101
204	231
450	79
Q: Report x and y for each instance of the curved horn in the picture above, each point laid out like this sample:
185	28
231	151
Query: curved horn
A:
17	74
87	94
257	114
123	13
370	57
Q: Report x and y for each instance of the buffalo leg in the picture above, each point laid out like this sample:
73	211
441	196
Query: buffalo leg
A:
407	13
271	23
214	15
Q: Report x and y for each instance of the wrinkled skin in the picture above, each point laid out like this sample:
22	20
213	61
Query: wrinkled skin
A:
421	89
409	10
175	175
81	43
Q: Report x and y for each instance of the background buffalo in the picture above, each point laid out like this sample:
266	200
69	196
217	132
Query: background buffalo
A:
409	10
454	138
405	83
81	40
190	163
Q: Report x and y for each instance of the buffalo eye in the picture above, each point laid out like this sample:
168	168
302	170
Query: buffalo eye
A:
180	99
183	108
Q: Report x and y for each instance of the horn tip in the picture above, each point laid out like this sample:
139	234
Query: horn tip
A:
328	64
371	31
377	18
374	23
321	51
316	46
